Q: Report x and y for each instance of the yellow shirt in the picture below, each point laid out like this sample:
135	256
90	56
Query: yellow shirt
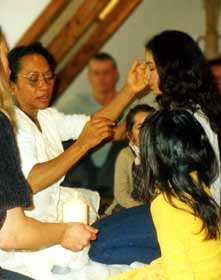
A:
185	253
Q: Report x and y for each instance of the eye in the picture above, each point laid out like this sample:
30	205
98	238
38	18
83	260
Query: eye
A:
33	78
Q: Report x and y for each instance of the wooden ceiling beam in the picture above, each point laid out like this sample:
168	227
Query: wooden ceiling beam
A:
102	33
75	27
45	19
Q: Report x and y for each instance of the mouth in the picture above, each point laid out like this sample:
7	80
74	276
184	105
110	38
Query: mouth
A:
44	98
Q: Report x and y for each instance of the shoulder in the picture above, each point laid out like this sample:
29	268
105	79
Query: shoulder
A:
4	119
126	154
162	210
5	125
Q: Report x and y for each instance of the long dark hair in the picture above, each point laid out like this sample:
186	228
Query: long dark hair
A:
174	147
185	78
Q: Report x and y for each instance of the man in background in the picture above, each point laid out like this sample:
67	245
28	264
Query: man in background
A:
96	170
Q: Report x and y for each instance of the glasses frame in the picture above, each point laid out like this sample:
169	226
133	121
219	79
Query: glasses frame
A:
41	77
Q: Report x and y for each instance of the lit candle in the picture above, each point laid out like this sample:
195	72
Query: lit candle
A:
75	210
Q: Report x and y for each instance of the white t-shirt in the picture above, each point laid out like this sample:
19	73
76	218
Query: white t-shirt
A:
36	147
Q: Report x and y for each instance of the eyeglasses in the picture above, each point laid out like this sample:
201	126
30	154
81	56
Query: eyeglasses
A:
35	77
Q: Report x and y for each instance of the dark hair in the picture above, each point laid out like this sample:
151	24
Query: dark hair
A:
174	147
16	54
132	113
185	78
102	56
215	62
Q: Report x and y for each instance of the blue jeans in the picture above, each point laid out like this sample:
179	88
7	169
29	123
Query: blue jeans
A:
125	237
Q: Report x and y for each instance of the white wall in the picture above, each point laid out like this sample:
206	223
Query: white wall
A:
151	17
17	15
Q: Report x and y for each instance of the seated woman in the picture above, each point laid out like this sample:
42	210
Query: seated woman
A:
123	181
179	165
41	130
17	231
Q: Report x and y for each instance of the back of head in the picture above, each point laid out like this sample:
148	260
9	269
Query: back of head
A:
185	78
179	161
15	56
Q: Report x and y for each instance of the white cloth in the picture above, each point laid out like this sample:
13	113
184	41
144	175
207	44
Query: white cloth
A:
212	136
36	147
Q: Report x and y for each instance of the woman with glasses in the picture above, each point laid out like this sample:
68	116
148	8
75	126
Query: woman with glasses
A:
17	231
41	129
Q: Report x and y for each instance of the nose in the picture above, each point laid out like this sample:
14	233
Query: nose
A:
42	84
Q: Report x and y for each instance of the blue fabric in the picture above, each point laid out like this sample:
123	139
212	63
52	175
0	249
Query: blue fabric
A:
125	237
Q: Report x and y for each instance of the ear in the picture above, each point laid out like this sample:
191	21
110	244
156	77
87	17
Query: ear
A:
13	87
129	136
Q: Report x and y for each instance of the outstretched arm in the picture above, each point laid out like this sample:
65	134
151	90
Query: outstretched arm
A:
22	232
136	81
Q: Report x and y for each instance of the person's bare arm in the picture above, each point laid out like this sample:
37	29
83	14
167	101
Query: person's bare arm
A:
137	80
22	232
44	174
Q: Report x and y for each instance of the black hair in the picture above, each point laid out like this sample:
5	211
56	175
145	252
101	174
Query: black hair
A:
186	80
102	56
215	62
16	54
132	113
174	148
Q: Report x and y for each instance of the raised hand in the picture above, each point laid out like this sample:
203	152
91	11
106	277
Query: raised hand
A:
138	77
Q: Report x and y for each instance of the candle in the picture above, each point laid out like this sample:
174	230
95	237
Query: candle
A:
75	210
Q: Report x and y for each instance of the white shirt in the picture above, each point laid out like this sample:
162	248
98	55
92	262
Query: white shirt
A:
212	136
37	146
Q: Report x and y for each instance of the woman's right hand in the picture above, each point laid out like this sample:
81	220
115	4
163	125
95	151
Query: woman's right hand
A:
138	77
95	131
77	236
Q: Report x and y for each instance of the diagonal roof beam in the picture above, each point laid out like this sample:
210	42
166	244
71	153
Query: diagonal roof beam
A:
46	18
101	34
75	27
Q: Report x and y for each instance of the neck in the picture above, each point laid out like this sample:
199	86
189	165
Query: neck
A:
104	98
33	115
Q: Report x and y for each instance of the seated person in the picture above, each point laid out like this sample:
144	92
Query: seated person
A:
123	181
41	130
17	231
186	217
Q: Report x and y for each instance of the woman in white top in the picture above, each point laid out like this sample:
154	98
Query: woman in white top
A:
41	129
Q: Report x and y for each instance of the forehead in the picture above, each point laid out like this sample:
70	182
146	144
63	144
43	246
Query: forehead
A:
34	62
106	64
140	116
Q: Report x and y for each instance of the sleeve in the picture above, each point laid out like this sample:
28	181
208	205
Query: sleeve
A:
14	190
123	180
69	126
173	227
27	149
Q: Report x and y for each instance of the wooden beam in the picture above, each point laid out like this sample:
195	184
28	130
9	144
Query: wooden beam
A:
102	33
212	37
75	27
40	25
